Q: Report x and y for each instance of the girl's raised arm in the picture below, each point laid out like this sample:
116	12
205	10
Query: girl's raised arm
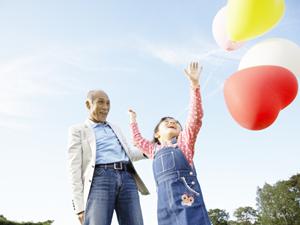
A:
194	120
146	146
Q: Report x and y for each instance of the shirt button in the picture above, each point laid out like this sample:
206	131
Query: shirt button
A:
90	181
193	182
191	173
93	166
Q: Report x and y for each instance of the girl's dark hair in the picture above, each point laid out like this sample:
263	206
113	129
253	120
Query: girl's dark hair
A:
155	140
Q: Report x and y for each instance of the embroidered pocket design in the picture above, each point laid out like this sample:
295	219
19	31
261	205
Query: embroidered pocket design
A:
187	200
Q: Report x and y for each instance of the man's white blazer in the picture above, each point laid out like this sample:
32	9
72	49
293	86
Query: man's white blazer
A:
82	159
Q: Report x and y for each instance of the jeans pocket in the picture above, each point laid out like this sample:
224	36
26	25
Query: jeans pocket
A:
99	172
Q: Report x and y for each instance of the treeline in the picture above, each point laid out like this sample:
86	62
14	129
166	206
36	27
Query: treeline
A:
277	204
4	221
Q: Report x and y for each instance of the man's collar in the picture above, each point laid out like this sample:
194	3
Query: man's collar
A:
94	124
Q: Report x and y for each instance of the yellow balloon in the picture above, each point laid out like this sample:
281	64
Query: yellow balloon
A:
247	19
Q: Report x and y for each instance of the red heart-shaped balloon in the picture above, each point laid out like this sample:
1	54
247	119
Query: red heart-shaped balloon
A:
255	95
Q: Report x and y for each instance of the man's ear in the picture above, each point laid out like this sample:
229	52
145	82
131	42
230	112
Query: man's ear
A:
88	104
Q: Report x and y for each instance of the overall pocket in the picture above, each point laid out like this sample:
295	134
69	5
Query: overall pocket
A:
164	162
183	195
188	187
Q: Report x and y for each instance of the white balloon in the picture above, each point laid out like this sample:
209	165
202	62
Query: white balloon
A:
274	51
220	33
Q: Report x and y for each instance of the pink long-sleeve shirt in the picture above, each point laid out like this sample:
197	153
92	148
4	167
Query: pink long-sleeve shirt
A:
187	137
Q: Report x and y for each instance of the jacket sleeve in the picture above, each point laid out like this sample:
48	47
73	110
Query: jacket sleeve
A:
75	168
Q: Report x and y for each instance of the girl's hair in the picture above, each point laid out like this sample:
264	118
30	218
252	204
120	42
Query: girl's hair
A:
155	140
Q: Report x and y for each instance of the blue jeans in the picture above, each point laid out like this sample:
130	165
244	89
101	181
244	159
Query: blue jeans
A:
113	190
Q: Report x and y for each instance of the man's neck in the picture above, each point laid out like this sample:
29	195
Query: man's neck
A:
95	121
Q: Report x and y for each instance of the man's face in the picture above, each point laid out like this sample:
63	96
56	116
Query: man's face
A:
98	107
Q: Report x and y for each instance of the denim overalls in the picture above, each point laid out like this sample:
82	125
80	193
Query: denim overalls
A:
180	200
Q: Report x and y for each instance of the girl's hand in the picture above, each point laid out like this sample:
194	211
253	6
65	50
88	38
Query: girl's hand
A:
132	116
193	73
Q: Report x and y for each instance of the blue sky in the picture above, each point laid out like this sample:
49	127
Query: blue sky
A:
53	52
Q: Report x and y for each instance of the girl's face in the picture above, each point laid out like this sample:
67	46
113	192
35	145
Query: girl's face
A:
168	129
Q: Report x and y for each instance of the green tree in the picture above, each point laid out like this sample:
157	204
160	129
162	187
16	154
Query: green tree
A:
218	216
4	221
232	222
279	204
246	215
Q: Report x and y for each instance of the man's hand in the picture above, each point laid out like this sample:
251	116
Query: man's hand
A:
81	217
193	73
132	116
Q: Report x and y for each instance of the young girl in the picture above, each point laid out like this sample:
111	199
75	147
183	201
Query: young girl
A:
180	200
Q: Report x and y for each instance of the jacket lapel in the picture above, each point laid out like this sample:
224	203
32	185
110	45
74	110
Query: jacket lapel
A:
119	136
90	136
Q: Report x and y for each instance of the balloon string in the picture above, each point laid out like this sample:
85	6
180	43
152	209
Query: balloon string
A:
210	76
218	62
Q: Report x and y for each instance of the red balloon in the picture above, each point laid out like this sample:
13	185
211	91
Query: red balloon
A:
254	96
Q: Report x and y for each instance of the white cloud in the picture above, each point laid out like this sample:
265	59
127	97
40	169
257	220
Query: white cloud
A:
26	79
59	70
212	57
181	55
53	71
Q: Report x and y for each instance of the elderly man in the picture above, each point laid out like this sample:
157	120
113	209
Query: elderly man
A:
102	176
